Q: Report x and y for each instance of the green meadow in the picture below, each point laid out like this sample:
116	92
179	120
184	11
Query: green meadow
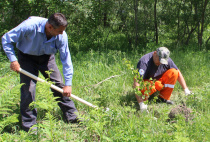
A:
105	79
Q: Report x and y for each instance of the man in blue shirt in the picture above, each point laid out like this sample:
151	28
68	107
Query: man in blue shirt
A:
163	72
37	40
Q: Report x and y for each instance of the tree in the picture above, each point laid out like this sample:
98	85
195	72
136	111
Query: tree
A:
203	10
155	19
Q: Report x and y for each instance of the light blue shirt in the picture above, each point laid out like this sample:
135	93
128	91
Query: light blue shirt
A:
30	38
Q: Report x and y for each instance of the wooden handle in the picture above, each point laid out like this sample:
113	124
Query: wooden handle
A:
55	87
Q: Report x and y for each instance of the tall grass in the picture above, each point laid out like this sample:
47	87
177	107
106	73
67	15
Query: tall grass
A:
103	79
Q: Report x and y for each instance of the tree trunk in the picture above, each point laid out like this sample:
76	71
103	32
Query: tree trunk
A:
99	12
202	23
136	21
189	35
178	24
207	40
105	14
155	19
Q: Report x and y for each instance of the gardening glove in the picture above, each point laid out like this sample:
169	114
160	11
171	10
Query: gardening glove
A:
187	92
143	107
158	85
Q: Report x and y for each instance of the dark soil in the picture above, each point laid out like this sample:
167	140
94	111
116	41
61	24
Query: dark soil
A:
180	110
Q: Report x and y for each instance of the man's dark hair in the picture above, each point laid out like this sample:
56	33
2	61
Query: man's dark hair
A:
57	20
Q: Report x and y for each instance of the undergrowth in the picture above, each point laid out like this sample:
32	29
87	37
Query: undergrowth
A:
103	79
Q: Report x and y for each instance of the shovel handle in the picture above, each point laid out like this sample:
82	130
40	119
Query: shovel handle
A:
55	87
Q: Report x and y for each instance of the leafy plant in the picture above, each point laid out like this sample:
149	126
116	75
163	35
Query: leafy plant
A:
8	103
45	104
143	85
123	122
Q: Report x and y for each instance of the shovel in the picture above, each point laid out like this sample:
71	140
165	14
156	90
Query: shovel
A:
55	87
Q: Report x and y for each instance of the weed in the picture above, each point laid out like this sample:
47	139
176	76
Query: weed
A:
123	122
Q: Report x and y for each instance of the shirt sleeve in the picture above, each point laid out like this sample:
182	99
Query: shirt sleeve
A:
172	64
141	66
65	57
11	37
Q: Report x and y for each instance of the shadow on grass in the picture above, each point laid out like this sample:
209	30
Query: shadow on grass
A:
129	100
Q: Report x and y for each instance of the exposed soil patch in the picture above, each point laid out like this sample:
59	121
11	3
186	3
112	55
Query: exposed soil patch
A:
180	110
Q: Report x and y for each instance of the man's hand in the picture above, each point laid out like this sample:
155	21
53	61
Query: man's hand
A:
15	66
158	85
67	91
135	84
187	92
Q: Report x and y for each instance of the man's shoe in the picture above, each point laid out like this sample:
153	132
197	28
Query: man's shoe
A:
33	131
151	98
74	121
169	102
165	101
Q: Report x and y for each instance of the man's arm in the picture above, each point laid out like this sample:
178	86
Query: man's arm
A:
183	83
13	36
8	39
139	98
135	83
65	57
181	80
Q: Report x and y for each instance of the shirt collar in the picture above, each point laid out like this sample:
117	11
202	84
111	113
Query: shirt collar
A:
41	29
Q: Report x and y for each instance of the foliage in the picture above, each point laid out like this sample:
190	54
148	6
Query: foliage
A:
8	107
124	121
138	79
101	34
119	25
46	106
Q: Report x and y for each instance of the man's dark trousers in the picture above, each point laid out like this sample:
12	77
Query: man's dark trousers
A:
34	64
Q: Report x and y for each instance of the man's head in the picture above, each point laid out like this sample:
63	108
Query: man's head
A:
161	56
56	24
57	20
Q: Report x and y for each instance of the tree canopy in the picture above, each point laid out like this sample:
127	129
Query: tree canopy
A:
119	24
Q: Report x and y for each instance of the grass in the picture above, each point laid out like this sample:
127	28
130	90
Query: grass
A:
124	121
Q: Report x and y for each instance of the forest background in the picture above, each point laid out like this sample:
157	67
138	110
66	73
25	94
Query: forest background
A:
120	24
106	40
